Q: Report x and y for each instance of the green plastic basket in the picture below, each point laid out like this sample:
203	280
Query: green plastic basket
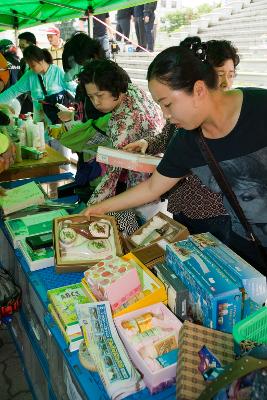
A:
251	329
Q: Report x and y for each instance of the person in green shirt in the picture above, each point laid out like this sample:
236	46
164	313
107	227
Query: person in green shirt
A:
7	149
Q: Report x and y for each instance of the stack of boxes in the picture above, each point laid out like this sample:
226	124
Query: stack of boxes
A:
222	287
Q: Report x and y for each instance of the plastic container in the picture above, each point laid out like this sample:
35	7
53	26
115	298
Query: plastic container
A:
22	135
29	125
252	329
18	152
41	131
162	378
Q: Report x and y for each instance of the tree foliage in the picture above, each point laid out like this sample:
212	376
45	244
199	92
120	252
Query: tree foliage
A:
174	21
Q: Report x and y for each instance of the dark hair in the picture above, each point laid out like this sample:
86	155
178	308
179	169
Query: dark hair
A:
82	48
34	53
106	75
4	119
219	51
216	51
180	67
28	36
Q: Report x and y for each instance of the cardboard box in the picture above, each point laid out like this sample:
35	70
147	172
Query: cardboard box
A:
250	281
216	298
165	228
177	293
189	381
160	379
153	290
149	255
79	252
123	159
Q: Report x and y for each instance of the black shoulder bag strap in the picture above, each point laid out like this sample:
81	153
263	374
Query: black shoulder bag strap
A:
42	84
231	197
98	129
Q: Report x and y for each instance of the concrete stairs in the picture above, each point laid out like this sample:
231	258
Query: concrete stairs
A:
242	22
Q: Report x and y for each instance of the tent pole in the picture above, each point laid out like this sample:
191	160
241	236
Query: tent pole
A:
90	23
16	36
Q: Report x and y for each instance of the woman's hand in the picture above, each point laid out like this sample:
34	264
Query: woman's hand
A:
95	209
140	146
65	116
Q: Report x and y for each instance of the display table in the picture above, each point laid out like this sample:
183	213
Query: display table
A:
52	371
48	165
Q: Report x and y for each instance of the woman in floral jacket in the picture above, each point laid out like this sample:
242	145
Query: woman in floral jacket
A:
133	116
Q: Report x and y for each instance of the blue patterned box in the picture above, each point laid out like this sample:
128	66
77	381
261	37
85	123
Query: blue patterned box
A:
217	298
250	281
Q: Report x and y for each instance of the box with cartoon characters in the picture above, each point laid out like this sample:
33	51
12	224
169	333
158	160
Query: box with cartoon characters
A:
215	298
250	281
81	241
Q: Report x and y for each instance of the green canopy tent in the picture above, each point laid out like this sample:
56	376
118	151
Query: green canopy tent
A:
21	14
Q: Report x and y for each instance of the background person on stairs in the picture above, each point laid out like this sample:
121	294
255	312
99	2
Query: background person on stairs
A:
149	19
139	24
101	32
124	22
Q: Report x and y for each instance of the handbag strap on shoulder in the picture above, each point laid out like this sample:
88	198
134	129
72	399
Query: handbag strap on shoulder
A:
42	84
229	193
98	129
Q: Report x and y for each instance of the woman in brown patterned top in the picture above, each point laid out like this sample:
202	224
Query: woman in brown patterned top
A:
191	202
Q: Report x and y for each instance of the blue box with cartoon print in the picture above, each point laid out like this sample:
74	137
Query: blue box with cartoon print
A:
217	299
250	281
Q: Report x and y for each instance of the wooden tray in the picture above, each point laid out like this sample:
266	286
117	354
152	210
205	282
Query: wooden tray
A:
81	265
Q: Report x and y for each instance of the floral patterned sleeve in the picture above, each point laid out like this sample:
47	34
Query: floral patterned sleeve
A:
158	144
136	118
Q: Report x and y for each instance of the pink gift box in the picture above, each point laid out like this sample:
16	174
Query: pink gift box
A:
160	379
114	280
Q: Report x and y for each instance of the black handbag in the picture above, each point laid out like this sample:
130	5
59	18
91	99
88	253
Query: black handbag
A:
49	102
231	197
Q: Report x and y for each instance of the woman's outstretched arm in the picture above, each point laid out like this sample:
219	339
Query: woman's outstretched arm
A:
143	193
